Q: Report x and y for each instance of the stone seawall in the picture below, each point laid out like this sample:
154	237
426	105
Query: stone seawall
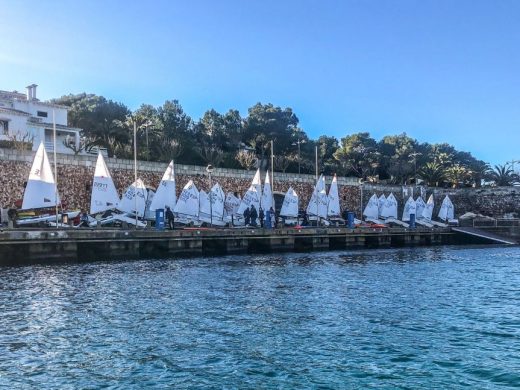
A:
75	180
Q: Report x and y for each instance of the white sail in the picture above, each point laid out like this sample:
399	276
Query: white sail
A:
420	206
217	199
451	209
148	212
134	199
446	211
104	194
333	209
428	209
215	206
40	191
252	196
290	204
266	201
204	206
390	207
410	207
381	203
319	200
231	204
188	201
372	208
165	195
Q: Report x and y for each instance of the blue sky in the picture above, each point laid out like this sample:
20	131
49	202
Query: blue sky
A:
441	71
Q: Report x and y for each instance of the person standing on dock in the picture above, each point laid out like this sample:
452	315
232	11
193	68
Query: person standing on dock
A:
83	219
247	216
273	217
170	218
254	215
261	216
268	219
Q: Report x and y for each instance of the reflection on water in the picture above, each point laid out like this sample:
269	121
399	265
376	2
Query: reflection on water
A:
411	318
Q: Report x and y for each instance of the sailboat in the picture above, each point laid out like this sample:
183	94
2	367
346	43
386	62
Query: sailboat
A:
447	210
419	212
389	209
410	207
290	207
149	214
252	195
165	195
381	203
371	210
266	200
420	206
187	206
318	203
428	209
104	194
231	204
212	204
333	208
134	199
41	191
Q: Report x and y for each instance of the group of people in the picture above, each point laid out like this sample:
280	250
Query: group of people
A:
267	219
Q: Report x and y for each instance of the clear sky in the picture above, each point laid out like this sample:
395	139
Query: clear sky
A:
439	70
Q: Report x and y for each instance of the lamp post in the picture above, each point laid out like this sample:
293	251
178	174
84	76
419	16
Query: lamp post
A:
209	169
299	142
513	164
414	155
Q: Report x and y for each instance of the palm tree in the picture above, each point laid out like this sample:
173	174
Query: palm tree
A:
432	173
457	174
503	175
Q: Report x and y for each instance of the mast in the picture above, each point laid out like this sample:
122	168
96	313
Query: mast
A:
272	168
316	190
135	171
55	166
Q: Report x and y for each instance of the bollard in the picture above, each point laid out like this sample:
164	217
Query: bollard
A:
350	219
159	219
412	221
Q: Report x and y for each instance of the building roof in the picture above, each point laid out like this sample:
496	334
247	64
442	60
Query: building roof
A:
14	111
61	127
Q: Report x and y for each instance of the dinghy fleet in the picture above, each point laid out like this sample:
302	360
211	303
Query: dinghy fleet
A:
382	210
194	207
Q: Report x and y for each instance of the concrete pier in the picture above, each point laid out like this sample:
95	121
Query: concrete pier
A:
19	246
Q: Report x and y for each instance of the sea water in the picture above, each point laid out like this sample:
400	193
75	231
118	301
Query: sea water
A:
411	318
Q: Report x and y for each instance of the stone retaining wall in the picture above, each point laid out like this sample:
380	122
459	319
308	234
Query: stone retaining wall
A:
75	178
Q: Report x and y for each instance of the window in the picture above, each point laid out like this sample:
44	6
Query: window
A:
4	127
43	114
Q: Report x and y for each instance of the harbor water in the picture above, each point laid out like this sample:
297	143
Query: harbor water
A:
438	317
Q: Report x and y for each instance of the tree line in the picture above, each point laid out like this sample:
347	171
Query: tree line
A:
229	140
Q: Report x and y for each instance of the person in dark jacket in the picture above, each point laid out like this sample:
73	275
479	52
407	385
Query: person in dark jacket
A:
83	219
247	216
170	218
254	215
305	221
261	216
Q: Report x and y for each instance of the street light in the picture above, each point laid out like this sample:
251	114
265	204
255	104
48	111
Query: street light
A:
299	142
209	169
414	155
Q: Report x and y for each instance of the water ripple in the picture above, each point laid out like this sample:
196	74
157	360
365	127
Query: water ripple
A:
406	319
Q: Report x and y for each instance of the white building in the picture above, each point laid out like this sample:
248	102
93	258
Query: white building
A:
24	117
